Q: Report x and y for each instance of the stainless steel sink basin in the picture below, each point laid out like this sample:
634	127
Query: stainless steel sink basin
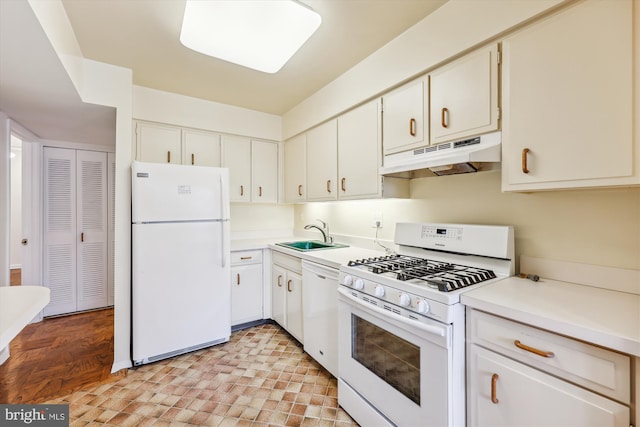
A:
311	245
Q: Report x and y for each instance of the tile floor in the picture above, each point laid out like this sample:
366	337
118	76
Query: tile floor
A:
261	377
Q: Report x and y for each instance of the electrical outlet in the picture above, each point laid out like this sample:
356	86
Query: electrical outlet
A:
376	220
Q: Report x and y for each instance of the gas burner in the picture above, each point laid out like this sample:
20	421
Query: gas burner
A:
442	275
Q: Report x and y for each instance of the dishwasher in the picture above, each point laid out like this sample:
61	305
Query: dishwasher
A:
320	308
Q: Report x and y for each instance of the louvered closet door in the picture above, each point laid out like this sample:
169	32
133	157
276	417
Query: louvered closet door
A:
92	229
60	229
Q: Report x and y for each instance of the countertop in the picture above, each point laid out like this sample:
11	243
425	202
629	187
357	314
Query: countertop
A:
604	317
332	258
18	306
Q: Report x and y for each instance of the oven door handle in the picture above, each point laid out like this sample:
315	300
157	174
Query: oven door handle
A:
414	324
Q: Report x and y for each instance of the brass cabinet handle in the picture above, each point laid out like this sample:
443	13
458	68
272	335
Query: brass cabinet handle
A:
289	285
259	191
412	127
343	183
443	117
279	278
242	190
193	159
494	381
328	186
542	353
82	236
525	151
300	190
237	278
168	156
244	258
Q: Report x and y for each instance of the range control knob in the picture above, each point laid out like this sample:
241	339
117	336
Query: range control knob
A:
423	306
405	299
379	291
358	284
347	280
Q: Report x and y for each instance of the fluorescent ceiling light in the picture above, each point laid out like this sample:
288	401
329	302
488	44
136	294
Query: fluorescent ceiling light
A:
261	34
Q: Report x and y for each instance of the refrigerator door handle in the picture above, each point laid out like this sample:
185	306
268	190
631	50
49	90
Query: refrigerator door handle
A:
223	203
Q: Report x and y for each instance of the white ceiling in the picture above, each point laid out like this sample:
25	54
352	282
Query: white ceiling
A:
143	35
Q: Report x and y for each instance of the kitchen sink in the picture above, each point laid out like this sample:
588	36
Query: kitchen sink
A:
311	245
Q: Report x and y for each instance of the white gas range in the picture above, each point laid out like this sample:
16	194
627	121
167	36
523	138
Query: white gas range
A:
401	324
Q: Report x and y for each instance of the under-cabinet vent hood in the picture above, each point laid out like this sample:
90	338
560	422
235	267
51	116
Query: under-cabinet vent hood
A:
470	155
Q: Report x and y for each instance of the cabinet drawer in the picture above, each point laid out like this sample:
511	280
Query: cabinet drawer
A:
601	370
287	261
246	257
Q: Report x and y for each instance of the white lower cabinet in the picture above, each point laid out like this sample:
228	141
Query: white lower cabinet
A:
286	293
320	308
246	287
518	375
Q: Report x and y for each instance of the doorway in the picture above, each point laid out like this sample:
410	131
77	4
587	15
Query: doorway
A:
15	234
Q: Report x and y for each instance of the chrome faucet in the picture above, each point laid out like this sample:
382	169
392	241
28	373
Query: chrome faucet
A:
326	238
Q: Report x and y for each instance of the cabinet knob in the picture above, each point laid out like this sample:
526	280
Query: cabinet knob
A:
328	186
289	285
242	190
343	184
300	190
237	278
259	191
280	280
541	353
82	236
412	127
444	115
525	152
193	159
168	156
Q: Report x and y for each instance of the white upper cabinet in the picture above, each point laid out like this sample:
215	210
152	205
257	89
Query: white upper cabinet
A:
264	176
200	148
568	100
253	169
322	162
295	174
236	155
405	117
156	143
464	96
359	152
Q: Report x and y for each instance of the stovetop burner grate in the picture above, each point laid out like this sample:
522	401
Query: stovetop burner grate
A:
443	275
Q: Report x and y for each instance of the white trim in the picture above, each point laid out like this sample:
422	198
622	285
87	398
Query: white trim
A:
78	146
4	355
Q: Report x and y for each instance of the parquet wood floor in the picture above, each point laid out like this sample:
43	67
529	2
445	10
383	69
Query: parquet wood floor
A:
57	356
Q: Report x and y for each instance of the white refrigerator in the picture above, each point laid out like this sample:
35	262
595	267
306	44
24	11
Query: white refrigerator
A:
181	282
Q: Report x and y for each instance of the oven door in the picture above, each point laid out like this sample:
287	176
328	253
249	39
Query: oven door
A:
394	365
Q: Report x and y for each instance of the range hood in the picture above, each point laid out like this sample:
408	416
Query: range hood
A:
469	155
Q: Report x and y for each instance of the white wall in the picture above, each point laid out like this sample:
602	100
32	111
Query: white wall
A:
15	248
588	226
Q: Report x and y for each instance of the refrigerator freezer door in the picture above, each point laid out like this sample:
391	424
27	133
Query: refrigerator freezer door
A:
165	192
181	288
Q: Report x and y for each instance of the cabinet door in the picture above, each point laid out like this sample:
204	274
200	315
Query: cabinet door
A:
359	152
294	305
60	229
405	118
464	96
158	143
200	148
92	229
246	293
568	96
295	155
236	155
278	294
322	161
264	176
503	392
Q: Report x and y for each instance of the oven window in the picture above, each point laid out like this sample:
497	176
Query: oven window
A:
392	358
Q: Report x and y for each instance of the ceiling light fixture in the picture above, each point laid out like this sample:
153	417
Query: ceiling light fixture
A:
262	34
